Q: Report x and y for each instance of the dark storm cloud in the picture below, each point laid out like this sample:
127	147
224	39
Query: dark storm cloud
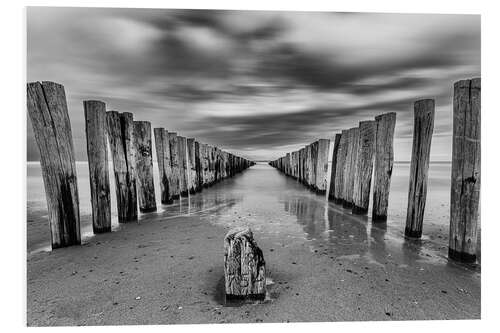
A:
257	82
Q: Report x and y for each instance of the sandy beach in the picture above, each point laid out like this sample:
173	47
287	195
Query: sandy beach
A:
323	263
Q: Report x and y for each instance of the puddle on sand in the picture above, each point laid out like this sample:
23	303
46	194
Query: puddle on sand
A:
220	295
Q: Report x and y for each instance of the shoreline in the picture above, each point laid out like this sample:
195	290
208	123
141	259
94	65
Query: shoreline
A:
175	267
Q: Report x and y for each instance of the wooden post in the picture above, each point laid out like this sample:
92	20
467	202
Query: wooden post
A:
351	161
244	266
198	155
322	165
120	133
314	164
466	170
174	163
211	165
183	165
336	144
384	159
191	165
339	170
47	109
205	165
422	136
308	165
364	167
144	166
97	154
164	165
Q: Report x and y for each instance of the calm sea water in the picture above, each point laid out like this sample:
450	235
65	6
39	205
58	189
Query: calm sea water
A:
261	192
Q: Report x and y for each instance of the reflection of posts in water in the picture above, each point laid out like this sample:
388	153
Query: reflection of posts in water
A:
384	159
48	112
466	170
377	244
417	193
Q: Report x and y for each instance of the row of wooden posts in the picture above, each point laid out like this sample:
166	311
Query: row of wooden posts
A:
367	149
185	165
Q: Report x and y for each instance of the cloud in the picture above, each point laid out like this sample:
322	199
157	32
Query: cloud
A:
258	82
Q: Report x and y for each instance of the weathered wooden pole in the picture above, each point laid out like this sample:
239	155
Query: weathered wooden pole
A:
97	154
466	170
314	164
218	175
336	144
364	167
308	165
205	165
339	170
191	165
244	266
174	164
120	135
384	159
164	164
48	111
226	163
423	127
198	155
183	165
351	161
212	165
144	166
322	165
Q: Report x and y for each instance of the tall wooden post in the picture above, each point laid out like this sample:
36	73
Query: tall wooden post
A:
47	109
336	144
191	165
97	154
205	165
174	160
183	165
422	136
466	170
384	159
120	135
198	155
351	161
364	167
314	164
211	164
339	170
164	164
322	165
144	166
308	165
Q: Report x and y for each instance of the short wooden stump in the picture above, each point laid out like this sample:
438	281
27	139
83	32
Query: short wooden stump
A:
244	266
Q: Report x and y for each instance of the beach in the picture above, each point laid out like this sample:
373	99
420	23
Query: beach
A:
323	263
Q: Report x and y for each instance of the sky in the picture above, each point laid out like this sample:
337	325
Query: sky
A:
256	83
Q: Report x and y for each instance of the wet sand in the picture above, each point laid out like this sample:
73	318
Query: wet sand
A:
323	264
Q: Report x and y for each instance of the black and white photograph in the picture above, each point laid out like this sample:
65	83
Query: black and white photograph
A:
249	166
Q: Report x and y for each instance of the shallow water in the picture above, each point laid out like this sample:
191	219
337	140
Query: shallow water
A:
271	203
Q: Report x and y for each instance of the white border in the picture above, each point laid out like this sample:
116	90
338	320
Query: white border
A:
13	169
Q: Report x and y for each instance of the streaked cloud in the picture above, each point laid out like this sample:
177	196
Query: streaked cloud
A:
258	82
